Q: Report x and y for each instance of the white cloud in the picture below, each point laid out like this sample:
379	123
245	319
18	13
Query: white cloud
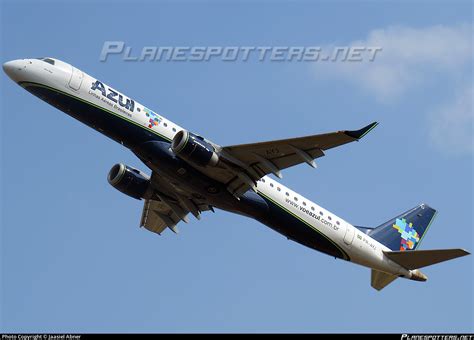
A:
409	57
414	58
452	128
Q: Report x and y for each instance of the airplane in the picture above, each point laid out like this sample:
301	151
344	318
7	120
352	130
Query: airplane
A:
191	175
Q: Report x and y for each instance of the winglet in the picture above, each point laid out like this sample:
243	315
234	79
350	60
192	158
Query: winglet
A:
358	134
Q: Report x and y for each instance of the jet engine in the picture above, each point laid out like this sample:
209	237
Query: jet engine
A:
128	180
194	149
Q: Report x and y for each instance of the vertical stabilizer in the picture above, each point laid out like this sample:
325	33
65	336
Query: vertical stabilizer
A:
406	231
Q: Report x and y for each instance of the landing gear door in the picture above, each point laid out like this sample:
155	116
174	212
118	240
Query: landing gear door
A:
349	236
76	79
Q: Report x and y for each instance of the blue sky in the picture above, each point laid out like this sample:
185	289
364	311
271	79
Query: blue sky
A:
73	257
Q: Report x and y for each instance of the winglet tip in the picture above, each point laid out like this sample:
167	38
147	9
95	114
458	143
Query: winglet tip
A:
358	134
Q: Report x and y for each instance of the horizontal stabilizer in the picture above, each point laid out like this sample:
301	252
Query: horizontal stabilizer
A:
421	258
380	280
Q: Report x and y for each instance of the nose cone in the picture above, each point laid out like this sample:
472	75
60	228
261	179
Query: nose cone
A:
14	69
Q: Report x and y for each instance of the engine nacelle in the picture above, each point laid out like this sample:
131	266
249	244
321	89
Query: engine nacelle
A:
130	181
194	149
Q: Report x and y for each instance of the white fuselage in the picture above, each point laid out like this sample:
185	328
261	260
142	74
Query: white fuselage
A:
361	248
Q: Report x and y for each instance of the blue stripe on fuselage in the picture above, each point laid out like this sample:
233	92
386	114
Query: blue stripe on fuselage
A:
131	134
111	124
283	221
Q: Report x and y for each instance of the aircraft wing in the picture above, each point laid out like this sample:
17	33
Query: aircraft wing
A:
166	208
157	216
254	161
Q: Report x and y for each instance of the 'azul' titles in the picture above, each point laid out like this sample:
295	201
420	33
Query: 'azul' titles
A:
114	96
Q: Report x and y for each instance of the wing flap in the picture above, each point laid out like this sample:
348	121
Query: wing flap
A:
158	215
150	219
166	207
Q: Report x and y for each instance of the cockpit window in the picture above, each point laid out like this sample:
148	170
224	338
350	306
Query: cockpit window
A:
47	60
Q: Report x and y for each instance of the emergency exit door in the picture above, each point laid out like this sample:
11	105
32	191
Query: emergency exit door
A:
76	79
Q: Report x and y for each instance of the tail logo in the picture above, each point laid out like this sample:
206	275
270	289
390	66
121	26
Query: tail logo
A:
409	235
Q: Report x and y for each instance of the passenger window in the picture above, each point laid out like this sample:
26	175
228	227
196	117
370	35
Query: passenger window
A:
287	194
312	208
338	223
321	213
165	125
278	188
329	218
296	199
304	203
271	184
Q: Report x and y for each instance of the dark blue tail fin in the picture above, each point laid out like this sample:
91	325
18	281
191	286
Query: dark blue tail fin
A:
405	231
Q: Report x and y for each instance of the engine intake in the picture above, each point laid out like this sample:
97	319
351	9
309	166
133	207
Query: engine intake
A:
128	180
194	149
